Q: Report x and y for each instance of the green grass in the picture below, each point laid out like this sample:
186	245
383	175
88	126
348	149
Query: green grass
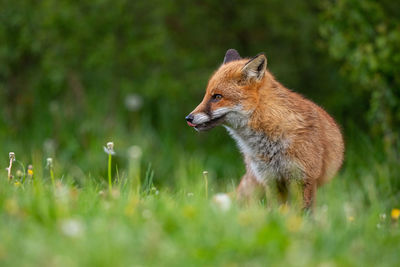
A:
79	223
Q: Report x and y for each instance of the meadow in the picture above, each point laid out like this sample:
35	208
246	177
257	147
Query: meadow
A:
50	219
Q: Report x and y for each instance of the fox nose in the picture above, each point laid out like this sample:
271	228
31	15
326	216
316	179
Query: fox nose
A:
189	118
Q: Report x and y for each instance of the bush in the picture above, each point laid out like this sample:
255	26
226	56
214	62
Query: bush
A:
364	36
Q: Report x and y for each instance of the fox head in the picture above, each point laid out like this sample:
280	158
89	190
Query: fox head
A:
231	94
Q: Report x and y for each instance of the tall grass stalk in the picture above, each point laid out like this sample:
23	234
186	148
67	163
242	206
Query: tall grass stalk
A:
50	166
148	181
134	155
205	175
109	172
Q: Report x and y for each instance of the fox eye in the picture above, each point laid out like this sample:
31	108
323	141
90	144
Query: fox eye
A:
216	97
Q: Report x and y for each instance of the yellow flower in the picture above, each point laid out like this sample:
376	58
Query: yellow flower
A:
30	171
294	223
130	208
350	218
189	212
11	206
283	209
395	214
17	184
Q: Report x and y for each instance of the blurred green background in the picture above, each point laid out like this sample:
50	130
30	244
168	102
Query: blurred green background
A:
77	74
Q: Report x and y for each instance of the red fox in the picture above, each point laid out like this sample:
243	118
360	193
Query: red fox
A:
282	136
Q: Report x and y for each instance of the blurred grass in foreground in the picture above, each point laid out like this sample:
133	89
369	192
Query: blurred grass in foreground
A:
141	223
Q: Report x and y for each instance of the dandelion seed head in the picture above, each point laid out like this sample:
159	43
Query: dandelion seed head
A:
223	201
49	147
72	227
109	148
19	173
110	145
12	156
49	162
134	152
133	102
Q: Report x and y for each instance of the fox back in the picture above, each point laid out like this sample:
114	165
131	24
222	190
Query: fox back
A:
282	136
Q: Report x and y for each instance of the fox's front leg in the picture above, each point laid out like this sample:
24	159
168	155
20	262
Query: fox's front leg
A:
249	188
309	192
283	190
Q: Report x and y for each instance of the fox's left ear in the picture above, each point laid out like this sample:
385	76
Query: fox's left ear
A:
231	55
255	67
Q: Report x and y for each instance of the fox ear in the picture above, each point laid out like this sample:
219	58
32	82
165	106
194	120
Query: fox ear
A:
255	67
231	55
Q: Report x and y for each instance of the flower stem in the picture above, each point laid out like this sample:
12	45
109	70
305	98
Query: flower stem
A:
50	166
12	158
9	170
109	173
52	176
205	175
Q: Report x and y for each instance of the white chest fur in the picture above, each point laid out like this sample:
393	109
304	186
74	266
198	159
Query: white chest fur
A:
268	158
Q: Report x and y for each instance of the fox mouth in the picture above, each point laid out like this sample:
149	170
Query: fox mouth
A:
208	124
